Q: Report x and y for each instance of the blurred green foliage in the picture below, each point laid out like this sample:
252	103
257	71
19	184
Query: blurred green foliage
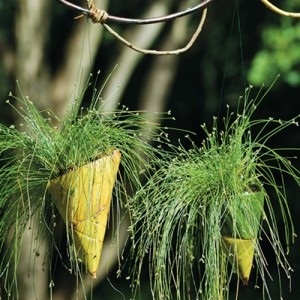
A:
279	51
280	54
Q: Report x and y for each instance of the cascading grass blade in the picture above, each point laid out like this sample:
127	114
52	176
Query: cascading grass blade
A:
46	155
207	208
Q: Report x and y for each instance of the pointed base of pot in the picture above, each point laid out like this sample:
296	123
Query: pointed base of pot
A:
83	197
240	253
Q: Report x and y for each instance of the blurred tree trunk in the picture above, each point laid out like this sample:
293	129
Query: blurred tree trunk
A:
47	91
32	25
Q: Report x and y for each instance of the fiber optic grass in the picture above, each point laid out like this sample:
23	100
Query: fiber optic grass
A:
43	148
201	200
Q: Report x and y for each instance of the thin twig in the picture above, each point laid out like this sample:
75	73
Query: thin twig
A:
157	52
280	11
90	12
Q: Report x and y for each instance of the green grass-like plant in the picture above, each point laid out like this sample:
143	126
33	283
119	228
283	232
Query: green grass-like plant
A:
196	198
44	147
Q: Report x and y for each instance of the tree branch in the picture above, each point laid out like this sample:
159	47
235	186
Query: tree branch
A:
100	16
157	52
279	11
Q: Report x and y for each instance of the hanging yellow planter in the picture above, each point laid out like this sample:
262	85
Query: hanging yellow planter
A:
83	197
240	253
239	246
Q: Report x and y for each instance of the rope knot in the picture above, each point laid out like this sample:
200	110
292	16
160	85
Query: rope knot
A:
97	15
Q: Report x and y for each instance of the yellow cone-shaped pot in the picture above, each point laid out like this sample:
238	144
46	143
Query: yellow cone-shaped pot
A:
239	245
83	197
240	253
